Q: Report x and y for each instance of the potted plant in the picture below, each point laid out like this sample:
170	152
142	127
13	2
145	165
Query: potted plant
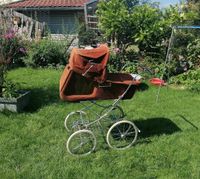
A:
11	98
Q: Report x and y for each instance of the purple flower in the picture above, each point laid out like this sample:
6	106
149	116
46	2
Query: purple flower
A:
116	50
23	50
10	34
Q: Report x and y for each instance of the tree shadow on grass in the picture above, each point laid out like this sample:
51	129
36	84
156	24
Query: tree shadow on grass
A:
156	127
41	97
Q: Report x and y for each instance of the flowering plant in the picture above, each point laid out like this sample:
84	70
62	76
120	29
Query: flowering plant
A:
11	49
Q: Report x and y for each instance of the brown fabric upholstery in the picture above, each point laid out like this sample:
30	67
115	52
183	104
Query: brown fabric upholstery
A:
91	62
76	87
97	84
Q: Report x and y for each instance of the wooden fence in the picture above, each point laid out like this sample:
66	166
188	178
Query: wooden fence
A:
23	25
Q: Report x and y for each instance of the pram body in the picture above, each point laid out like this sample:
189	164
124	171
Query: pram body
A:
86	78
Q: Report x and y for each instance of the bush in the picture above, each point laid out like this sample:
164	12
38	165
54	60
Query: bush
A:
10	89
123	59
116	60
190	79
129	62
46	53
148	67
193	50
87	37
11	52
12	48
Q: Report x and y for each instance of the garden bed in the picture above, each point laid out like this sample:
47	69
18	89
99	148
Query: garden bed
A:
15	104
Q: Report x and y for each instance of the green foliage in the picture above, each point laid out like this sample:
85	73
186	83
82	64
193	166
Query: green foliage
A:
150	67
116	61
145	25
149	27
10	89
46	53
140	25
185	51
114	20
12	48
193	52
12	51
119	60
193	8
181	40
87	37
190	79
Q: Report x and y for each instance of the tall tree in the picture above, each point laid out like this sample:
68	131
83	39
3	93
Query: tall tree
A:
113	20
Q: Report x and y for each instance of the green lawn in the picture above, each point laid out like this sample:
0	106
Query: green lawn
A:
32	143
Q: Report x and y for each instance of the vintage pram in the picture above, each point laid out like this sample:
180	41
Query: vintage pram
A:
85	78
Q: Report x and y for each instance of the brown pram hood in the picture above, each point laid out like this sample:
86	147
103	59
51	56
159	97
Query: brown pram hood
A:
90	62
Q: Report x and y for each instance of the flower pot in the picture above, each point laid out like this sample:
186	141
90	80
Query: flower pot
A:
15	104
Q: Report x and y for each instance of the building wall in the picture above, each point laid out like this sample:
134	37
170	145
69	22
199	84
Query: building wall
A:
58	21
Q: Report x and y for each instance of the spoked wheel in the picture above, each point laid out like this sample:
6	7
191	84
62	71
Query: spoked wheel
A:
81	143
122	135
75	120
116	113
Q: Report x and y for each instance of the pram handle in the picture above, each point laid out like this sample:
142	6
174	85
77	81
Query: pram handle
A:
97	69
85	73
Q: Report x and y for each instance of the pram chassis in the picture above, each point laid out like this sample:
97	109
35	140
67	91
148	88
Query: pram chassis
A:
121	135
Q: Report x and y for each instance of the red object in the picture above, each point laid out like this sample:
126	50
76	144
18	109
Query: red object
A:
90	63
157	82
48	3
86	78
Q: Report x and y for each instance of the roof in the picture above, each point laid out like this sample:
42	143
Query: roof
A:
48	3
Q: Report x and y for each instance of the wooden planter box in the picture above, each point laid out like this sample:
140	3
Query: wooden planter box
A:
15	104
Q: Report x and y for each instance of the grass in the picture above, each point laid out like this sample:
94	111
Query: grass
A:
32	143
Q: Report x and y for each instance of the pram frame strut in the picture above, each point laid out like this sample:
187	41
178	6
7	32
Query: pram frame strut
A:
83	128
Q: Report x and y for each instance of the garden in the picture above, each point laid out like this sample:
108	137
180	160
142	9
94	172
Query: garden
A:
33	141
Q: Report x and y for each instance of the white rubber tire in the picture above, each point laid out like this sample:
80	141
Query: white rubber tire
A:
82	132
114	126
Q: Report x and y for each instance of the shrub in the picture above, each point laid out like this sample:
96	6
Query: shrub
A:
191	79
46	53
116	60
87	37
193	50
10	89
129	62
12	48
151	67
11	52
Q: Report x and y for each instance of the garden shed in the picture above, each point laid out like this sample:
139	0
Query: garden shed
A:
61	16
